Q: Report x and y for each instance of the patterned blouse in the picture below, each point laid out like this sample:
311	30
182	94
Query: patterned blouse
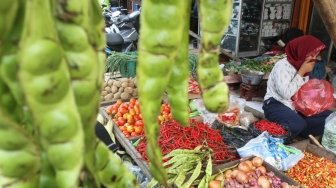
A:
284	82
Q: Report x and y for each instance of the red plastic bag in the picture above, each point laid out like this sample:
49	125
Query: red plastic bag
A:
314	97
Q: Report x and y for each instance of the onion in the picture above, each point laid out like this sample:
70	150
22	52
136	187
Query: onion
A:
261	169
220	177
214	184
234	173
250	164
228	174
244	167
264	182
242	177
257	161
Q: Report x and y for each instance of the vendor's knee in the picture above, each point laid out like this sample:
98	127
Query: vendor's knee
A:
296	126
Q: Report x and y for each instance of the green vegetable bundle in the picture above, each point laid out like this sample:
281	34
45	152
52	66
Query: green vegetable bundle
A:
51	67
188	168
163	65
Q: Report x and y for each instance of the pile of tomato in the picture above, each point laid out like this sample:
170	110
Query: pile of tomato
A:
127	116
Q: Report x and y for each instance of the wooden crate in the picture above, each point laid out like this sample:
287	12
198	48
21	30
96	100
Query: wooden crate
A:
282	176
127	144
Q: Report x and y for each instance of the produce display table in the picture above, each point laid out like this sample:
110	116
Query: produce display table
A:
128	146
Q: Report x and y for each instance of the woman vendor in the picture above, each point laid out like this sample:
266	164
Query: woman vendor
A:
286	78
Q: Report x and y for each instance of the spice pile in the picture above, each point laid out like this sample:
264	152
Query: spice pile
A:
313	171
271	127
174	136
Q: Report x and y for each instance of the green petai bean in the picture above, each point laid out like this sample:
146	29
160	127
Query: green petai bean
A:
215	16
178	93
158	46
17	144
44	78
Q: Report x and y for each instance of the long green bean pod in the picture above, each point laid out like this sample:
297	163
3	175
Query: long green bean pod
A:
45	80
178	93
214	18
19	156
9	64
73	26
8	10
110	169
161	28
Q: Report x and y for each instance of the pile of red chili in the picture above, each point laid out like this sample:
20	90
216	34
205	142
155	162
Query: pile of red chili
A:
315	172
271	127
174	136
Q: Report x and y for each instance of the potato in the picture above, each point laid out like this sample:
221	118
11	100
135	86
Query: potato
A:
110	82
131	84
124	84
134	94
128	90
117	83
104	84
108	97
125	95
123	79
108	89
104	93
116	95
121	89
135	81
102	98
114	89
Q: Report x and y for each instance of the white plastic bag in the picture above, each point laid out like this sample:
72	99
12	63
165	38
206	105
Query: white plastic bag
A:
272	151
329	136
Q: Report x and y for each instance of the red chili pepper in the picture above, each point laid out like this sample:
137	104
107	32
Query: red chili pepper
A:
270	127
174	136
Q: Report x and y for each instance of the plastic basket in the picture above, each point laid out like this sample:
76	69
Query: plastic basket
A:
128	69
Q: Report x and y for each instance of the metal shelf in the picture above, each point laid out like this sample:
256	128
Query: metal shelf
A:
277	20
279	2
235	19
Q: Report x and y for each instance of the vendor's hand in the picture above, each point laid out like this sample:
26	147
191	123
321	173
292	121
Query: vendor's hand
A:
307	66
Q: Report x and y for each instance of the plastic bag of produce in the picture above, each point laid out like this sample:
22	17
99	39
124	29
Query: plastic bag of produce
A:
272	151
247	118
329	136
314	97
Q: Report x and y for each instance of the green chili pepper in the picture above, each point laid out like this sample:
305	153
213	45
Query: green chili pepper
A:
215	16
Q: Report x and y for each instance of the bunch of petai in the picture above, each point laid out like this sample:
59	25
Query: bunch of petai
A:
163	64
51	72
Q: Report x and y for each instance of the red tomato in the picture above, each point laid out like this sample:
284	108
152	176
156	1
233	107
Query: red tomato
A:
119	102
118	114
132	101
137	109
139	123
123	110
120	121
138	129
134	134
132	112
125	116
136	117
160	118
109	110
122	128
129	129
131	121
